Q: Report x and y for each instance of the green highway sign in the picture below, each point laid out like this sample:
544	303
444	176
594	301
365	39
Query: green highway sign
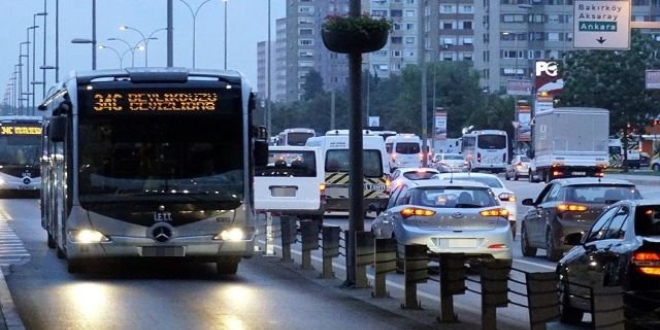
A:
601	25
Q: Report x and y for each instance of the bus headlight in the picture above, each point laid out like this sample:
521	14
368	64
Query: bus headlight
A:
87	236
232	234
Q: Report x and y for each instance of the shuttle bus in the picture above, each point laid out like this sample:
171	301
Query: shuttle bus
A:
486	150
20	149
151	163
295	136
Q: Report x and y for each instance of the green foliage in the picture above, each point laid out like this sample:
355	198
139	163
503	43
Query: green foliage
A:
363	23
614	80
313	85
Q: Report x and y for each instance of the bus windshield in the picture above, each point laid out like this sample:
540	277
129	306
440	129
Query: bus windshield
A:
175	157
20	150
298	138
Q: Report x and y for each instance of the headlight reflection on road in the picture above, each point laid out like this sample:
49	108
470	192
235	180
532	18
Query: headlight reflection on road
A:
243	298
89	299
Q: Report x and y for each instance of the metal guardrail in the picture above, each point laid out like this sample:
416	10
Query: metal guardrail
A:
539	292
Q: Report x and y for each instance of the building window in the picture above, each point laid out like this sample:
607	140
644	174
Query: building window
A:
410	13
553	18
396	40
467	25
410	26
513	18
396	13
467	56
305	32
305	42
553	36
536	18
410	40
396	26
306	9
305	20
467	40
467	9
396	53
447	25
485	73
379	13
447	9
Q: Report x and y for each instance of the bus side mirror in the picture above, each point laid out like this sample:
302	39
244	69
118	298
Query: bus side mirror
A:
57	129
261	153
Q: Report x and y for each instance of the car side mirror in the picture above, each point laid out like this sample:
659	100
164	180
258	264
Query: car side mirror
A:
528	202
573	239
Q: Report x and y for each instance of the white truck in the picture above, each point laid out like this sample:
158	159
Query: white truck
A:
569	142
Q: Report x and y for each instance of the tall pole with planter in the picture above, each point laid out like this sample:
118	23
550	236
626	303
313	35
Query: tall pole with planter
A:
354	35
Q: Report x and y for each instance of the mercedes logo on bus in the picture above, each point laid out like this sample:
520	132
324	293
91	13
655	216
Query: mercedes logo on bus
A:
27	180
161	233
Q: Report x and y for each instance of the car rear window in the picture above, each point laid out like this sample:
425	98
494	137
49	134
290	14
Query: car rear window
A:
419	175
600	193
289	163
453	157
450	197
337	160
408	148
491	182
647	220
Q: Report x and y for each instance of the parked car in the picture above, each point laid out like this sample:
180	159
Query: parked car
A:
447	216
448	162
567	206
506	197
622	248
518	168
403	175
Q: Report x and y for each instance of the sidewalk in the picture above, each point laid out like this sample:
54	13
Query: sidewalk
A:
10	319
636	178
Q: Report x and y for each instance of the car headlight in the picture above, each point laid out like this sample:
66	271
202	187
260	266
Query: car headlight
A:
232	234
87	236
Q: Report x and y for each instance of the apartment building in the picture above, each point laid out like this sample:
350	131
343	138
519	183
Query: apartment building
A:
501	38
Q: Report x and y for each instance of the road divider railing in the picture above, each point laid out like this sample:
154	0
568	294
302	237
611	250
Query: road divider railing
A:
606	303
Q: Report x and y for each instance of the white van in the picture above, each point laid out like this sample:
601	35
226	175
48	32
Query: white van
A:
335	151
292	183
405	150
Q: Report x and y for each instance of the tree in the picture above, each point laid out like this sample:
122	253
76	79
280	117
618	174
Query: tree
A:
313	85
613	80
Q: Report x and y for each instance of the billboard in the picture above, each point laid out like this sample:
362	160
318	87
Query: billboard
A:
524	119
521	87
548	83
440	124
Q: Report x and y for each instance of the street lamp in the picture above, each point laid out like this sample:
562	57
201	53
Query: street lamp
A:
130	48
44	68
194	18
27	68
119	56
144	39
87	41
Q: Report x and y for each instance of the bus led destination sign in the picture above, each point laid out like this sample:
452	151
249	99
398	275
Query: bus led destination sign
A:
20	130
154	101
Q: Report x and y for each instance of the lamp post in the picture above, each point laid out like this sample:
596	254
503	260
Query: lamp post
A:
130	48
87	41
43	62
226	1
144	39
120	57
18	67
30	91
194	18
34	49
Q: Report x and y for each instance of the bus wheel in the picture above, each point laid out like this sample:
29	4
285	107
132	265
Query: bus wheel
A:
60	253
51	241
227	265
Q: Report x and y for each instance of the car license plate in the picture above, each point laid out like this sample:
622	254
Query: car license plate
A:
462	242
579	173
162	251
283	191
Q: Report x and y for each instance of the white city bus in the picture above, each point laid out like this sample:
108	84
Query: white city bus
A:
151	162
20	149
295	136
486	150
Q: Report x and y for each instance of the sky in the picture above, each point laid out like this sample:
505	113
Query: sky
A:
247	24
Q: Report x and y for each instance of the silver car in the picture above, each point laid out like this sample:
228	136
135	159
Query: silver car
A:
448	217
446	163
518	168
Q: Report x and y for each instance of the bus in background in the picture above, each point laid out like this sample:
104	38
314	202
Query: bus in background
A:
150	163
405	150
486	150
20	151
295	136
383	134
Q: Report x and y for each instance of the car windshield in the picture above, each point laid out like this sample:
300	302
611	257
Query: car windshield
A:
454	197
597	193
647	220
419	175
489	181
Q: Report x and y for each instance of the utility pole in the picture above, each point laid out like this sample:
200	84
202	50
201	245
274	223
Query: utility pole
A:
422	67
170	34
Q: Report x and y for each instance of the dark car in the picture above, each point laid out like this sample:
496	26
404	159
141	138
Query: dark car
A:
566	206
622	248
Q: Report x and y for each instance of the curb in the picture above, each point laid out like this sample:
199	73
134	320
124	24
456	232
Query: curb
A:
10	319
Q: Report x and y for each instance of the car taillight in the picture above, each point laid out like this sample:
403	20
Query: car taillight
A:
507	197
647	262
387	184
563	207
495	213
412	211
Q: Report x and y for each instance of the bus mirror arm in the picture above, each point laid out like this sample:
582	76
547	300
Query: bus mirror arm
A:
57	129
